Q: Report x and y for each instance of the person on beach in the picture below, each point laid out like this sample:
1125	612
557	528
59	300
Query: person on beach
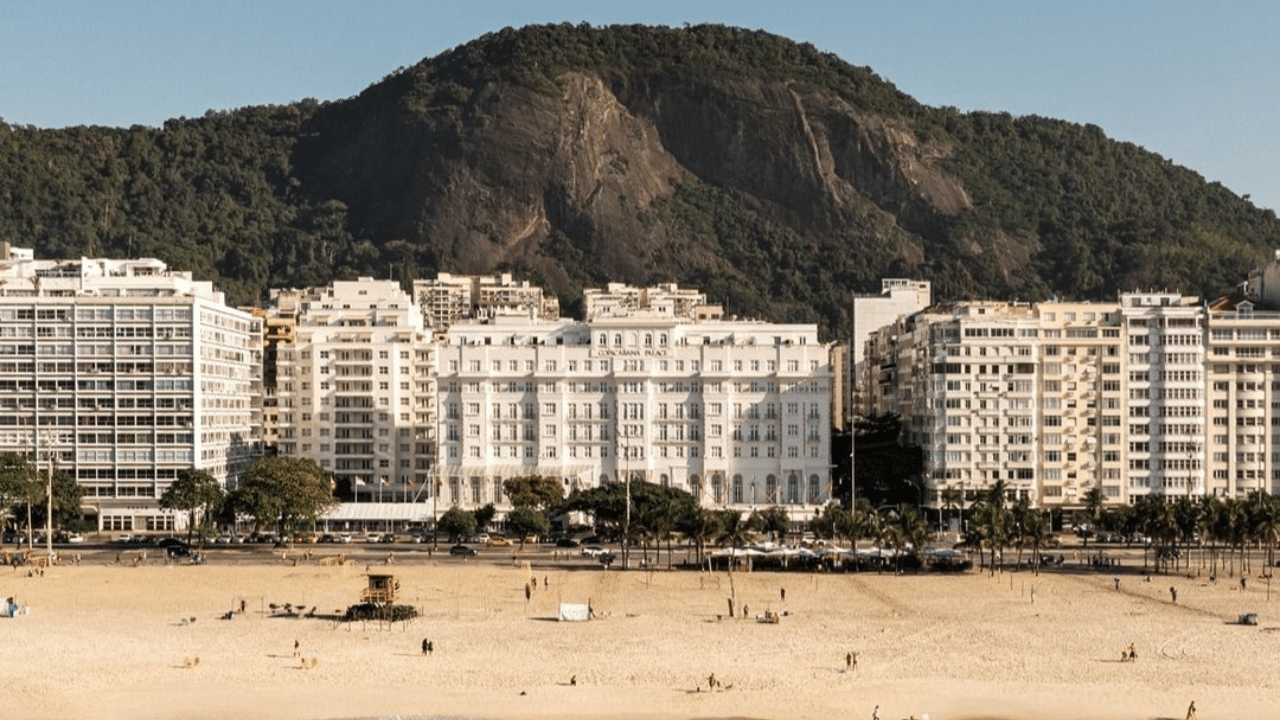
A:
1173	593
1117	582
1191	711
875	714
783	594
527	592
426	644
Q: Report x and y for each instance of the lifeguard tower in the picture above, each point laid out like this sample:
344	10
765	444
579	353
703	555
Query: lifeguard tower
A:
381	591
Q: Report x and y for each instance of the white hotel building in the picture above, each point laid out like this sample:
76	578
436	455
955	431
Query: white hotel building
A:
735	412
123	372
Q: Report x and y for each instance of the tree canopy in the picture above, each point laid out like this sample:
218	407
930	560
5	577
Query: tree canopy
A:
193	491
458	523
534	491
284	492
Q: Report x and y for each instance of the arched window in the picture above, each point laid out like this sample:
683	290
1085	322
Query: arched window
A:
648	339
737	489
617	339
604	339
664	480
793	489
695	486
717	489
662	340
771	489
815	490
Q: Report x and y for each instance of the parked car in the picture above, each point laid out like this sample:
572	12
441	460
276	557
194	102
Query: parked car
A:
387	538
173	547
566	542
592	551
497	541
462	550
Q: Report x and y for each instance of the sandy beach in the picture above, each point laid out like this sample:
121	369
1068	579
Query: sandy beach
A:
105	641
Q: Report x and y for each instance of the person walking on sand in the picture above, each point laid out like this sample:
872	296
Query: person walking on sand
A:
848	661
875	714
1117	581
527	592
783	594
1191	711
426	646
1173	593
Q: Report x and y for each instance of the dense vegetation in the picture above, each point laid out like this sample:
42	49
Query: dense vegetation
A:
236	197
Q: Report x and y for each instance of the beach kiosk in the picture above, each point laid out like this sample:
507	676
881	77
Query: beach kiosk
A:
381	591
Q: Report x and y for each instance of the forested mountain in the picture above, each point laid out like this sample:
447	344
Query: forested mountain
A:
773	176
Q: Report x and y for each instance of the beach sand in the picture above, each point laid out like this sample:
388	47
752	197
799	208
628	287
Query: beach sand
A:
106	642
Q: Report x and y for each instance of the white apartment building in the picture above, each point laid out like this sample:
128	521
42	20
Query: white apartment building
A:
355	390
123	373
1052	399
450	298
664	300
737	413
898	297
1243	389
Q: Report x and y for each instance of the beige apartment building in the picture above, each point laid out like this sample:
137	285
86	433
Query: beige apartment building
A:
1156	394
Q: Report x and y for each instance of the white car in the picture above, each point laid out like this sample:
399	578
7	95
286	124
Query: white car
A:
592	551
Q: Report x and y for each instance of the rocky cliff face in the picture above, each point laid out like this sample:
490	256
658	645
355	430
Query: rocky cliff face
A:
496	179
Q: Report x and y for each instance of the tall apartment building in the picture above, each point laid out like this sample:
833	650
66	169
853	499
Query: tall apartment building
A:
1154	395
666	300
898	297
736	412
1243	388
355	390
123	373
450	298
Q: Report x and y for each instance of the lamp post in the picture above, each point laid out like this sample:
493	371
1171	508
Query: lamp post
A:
48	510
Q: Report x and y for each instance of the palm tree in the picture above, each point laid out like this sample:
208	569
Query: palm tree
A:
699	525
1162	525
734	531
1207	526
1035	527
1186	513
1094	499
1266	524
908	531
950	498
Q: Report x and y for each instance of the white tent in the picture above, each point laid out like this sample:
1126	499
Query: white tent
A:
574	612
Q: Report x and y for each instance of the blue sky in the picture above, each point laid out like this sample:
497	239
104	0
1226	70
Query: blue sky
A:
1196	82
